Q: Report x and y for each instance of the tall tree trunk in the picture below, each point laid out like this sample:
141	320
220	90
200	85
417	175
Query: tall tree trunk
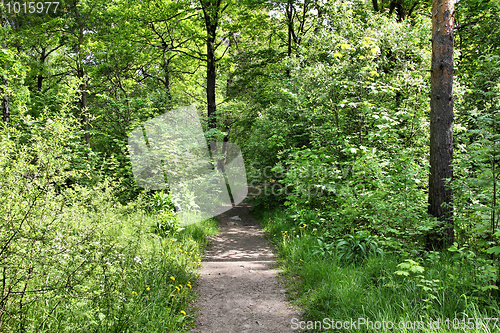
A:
5	100
83	91
81	75
85	116
211	11
5	82
211	77
289	22
39	80
166	76
441	123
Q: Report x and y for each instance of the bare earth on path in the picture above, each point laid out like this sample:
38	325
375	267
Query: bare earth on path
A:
238	290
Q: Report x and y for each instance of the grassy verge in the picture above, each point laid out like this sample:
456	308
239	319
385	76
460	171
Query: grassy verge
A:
434	292
133	280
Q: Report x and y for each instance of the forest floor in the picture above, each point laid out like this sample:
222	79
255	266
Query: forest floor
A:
238	289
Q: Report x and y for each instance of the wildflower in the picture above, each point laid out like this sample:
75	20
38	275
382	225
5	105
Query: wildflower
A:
147	288
178	289
183	312
172	295
180	285
172	278
134	293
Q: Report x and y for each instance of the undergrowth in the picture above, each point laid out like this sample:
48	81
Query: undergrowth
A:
442	291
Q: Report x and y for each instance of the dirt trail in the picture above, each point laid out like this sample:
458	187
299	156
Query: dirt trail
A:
238	290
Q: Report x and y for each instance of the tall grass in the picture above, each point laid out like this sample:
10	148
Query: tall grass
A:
442	287
136	281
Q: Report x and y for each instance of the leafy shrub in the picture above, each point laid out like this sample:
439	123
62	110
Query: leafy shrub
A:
356	248
167	224
161	202
73	259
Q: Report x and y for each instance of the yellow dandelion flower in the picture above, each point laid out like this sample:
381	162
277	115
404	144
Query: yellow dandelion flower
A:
172	295
189	286
183	312
180	285
134	293
172	278
178	289
147	288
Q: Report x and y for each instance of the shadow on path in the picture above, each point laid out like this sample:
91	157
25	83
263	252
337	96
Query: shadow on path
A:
238	290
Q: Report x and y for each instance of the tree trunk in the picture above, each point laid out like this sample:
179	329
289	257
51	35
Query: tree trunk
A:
441	123
211	11
5	101
80	71
289	19
83	91
84	111
5	97
39	81
166	76
211	78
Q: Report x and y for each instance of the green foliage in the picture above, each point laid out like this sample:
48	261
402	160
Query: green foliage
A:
73	258
356	248
396	286
334	128
167	224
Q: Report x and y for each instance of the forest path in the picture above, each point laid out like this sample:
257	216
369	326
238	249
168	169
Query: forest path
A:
238	289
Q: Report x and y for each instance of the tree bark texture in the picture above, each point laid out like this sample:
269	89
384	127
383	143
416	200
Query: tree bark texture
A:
441	123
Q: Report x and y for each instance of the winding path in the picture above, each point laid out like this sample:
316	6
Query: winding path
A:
238	290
